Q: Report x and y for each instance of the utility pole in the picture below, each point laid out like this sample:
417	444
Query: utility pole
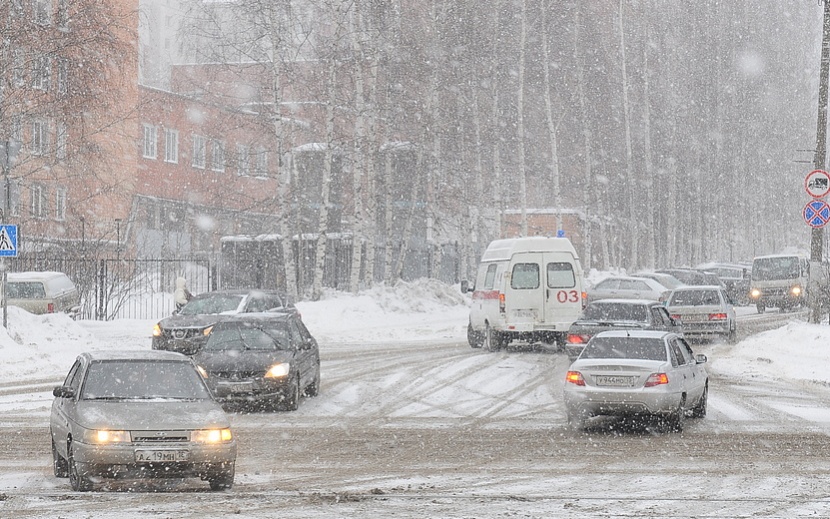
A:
817	234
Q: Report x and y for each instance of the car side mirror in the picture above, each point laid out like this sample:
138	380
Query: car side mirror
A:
701	358
63	392
465	286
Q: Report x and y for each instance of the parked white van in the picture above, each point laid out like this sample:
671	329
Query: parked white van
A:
528	289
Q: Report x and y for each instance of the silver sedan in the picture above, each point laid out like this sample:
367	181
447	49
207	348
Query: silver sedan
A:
637	373
143	414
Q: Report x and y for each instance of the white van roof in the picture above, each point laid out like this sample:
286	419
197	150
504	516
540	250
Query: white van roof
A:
500	250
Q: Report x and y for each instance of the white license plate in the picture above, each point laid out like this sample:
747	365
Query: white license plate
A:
161	455
238	387
524	313
613	380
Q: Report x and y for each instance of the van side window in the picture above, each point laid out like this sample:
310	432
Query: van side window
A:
525	275
490	277
561	275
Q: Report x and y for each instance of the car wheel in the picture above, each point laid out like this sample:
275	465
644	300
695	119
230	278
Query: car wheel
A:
760	307
492	339
292	401
473	337
222	480
576	420
59	463
77	477
732	336
313	389
675	421
699	410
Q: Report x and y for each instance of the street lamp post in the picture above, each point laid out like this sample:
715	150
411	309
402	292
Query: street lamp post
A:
817	233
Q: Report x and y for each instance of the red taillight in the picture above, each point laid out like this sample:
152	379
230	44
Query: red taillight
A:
575	377
584	300
501	302
676	317
717	317
656	379
50	308
577	339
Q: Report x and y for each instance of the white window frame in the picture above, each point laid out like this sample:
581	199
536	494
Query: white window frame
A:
43	12
217	155
171	146
63	75
63	14
41	72
60	204
19	67
243	160
198	156
261	165
37	194
40	137
150	149
60	140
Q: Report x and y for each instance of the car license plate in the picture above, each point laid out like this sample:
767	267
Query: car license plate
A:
161	456
694	318
238	387
613	380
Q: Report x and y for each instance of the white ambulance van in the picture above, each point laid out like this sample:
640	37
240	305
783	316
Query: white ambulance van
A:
526	289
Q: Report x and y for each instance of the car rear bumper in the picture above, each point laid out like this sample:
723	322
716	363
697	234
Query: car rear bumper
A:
616	403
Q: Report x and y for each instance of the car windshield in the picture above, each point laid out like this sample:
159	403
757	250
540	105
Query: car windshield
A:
143	379
246	336
770	269
644	348
212	304
615	312
694	298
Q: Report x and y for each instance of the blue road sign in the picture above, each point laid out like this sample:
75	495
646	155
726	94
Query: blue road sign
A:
8	241
816	213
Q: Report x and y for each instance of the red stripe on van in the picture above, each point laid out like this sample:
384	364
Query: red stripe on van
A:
486	294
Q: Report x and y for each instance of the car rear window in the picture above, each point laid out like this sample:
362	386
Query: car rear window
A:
694	298
615	312
25	290
641	348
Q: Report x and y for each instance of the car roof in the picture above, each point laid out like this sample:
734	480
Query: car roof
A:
33	275
238	292
278	316
643	334
637	302
135	355
691	288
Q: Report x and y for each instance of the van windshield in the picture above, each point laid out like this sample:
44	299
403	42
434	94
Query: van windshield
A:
770	269
25	290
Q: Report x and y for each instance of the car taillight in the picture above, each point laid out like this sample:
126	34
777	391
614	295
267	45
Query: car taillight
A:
584	300
501	302
717	317
574	338
676	317
50	308
575	377
656	379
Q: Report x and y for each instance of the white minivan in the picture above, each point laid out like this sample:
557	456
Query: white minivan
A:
528	289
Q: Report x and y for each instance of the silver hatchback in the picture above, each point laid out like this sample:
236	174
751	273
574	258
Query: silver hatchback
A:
637	373
143	414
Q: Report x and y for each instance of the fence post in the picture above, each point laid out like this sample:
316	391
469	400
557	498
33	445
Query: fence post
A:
102	277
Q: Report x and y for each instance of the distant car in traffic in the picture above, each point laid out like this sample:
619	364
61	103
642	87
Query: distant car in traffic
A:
734	277
142	414
617	314
667	280
186	331
261	361
639	373
704	312
627	287
692	276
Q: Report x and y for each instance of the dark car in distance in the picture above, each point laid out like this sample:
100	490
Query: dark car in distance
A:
617	314
261	361
187	330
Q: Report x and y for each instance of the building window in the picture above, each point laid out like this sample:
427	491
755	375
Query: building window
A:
43	11
217	158
243	160
171	146
63	14
150	139
19	67
63	76
12	198
261	162
40	137
198	155
41	71
60	141
17	129
60	203
38	199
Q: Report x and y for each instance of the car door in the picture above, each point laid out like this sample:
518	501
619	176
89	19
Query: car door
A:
306	353
605	289
663	321
694	373
62	415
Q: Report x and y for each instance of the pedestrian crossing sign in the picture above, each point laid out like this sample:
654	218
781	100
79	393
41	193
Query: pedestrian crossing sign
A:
8	241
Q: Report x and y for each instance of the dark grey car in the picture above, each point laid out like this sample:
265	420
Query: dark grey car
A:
142	414
261	361
186	331
617	314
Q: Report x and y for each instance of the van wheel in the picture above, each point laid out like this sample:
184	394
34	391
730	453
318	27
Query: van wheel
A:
473	337
492	339
760	307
